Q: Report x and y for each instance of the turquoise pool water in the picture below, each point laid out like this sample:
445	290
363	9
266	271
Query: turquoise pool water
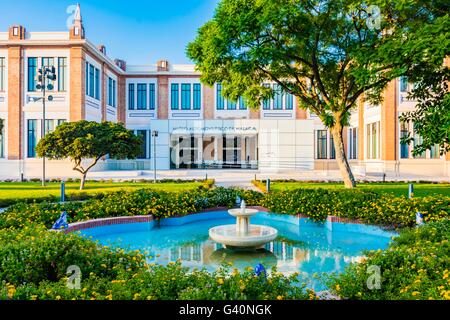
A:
302	246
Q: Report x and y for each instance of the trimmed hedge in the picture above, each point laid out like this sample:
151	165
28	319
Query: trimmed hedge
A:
160	204
369	207
415	266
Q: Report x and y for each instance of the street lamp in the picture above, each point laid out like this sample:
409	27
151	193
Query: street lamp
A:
154	135
44	74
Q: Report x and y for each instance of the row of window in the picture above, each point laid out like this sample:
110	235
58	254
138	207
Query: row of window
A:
186	96
47	62
141	96
325	146
224	104
32	133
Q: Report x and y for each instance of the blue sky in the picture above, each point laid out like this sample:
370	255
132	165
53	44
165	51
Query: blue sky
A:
138	31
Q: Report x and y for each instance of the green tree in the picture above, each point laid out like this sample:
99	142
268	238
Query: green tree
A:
89	140
328	53
1	125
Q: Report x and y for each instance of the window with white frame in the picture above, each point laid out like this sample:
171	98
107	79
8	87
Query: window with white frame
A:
373	140
112	90
353	143
2	74
406	150
185	96
225	104
281	99
93	81
35	63
145	136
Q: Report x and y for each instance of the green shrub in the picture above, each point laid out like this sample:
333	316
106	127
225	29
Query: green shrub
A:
415	266
33	265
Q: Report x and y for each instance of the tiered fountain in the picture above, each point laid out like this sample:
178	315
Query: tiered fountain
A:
243	235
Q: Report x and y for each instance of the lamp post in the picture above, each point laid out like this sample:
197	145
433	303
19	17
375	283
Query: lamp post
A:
154	135
44	74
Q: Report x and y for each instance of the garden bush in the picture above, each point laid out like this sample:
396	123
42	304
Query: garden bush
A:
415	266
34	261
366	206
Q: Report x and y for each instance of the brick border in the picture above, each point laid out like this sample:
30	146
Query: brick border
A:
77	226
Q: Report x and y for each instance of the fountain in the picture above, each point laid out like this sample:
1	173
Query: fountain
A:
243	235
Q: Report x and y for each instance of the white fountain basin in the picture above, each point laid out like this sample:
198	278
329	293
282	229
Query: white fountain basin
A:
240	213
256	237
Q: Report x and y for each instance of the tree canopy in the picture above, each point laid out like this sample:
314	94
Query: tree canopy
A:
328	53
83	140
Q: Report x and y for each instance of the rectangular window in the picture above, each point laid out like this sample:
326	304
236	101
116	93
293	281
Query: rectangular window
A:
404	147
403	84
353	143
373	140
114	91
435	152
2	74
91	81
278	97
185	96
197	96
62	74
32	138
143	135
152	96
32	72
332	148
97	84
242	105
141	96
131	96
220	104
266	102
289	101
109	91
61	121
49	125
321	144
417	141
2	141
86	78
48	63
231	105
174	101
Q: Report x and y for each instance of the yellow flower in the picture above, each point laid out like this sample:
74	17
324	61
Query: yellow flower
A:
136	296
33	297
220	281
279	297
58	298
338	287
109	296
445	276
415	293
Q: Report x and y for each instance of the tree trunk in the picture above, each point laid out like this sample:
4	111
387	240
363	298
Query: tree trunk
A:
341	157
83	180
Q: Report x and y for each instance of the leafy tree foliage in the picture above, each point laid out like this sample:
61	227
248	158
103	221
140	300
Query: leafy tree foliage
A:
89	140
328	53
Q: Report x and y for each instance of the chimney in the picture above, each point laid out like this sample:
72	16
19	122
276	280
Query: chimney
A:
17	32
121	64
77	29
102	49
162	65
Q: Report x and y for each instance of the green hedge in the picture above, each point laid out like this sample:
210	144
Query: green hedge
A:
415	266
317	204
127	203
369	207
33	264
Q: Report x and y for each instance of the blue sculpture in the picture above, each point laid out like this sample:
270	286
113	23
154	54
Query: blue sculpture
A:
238	200
61	222
259	269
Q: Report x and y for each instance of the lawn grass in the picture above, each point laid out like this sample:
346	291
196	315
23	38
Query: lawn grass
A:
398	189
12	192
